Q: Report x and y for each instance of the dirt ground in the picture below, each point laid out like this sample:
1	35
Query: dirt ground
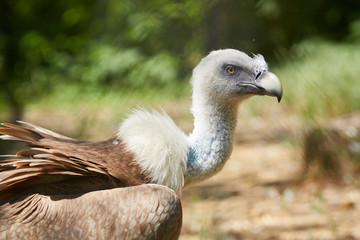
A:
258	196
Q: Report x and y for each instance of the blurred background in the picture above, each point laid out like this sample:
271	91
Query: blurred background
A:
78	67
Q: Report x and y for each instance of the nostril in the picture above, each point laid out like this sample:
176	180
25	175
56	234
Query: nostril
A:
258	75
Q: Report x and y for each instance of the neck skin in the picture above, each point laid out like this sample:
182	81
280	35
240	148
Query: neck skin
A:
210	143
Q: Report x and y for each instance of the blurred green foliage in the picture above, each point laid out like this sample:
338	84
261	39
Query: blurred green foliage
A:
127	45
322	78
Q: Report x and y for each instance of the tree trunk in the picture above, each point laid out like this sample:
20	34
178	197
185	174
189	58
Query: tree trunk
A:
16	112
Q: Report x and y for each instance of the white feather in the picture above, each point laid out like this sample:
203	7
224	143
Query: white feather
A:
7	137
160	147
259	63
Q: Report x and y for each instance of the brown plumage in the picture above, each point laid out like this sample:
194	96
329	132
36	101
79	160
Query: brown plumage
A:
59	179
118	213
67	161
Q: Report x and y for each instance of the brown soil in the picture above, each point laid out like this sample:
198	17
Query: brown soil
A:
258	196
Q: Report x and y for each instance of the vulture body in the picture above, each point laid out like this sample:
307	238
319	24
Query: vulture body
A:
127	187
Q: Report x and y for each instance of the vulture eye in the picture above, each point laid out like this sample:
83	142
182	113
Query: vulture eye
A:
230	69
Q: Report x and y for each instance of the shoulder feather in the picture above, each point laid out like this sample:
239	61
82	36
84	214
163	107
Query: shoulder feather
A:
53	158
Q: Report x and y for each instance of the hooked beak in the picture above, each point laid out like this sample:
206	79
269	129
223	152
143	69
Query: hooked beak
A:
271	85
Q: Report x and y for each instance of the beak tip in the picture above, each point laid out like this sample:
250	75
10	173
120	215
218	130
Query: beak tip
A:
279	96
272	85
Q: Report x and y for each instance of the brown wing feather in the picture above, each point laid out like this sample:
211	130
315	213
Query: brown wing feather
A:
54	158
140	212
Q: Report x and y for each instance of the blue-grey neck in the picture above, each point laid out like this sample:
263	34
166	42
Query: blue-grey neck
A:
211	141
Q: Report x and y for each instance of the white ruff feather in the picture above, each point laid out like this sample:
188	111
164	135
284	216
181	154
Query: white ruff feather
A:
160	147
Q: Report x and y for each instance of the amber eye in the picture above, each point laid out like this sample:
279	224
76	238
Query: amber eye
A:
230	70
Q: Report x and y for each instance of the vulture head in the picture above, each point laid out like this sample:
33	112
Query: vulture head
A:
220	82
230	75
